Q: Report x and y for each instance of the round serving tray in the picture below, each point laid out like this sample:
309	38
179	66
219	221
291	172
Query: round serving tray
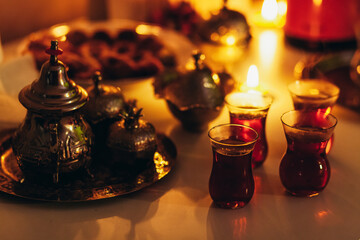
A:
106	182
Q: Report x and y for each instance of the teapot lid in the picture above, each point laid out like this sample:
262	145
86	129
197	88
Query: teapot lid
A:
105	101
53	93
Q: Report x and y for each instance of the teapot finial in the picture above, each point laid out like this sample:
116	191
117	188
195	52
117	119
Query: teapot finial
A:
54	51
97	78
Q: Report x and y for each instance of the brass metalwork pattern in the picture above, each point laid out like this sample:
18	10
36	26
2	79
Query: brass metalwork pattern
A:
106	182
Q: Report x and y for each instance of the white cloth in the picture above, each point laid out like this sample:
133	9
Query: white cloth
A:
14	75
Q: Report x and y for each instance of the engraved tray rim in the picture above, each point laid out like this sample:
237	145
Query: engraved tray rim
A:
164	161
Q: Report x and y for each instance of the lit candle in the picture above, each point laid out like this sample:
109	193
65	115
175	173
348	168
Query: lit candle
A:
272	14
252	82
249	107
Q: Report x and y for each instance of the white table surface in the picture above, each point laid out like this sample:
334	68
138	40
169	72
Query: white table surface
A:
179	206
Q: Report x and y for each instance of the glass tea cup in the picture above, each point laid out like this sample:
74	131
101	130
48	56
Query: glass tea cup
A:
251	109
304	168
231	183
314	95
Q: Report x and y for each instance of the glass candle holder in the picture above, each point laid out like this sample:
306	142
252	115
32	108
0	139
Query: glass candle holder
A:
231	183
314	95
304	168
251	109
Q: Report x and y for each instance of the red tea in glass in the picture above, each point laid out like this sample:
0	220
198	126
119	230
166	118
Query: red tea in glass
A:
251	109
258	124
304	168
314	95
231	183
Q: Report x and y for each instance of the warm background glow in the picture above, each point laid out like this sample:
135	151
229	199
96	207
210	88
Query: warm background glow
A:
269	9
18	19
268	41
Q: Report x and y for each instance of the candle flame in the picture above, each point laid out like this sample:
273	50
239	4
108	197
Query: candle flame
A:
269	10
252	79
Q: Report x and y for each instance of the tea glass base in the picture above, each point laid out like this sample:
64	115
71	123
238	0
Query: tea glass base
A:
230	205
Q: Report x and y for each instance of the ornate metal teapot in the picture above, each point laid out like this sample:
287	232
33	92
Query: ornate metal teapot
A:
54	140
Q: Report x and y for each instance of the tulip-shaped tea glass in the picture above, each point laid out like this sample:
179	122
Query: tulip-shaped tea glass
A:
304	168
251	109
314	95
231	183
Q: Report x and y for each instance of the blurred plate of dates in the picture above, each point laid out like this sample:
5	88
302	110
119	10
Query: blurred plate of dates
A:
120	49
107	181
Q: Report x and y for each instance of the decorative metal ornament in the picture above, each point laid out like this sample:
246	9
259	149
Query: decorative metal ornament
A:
132	141
228	27
193	97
